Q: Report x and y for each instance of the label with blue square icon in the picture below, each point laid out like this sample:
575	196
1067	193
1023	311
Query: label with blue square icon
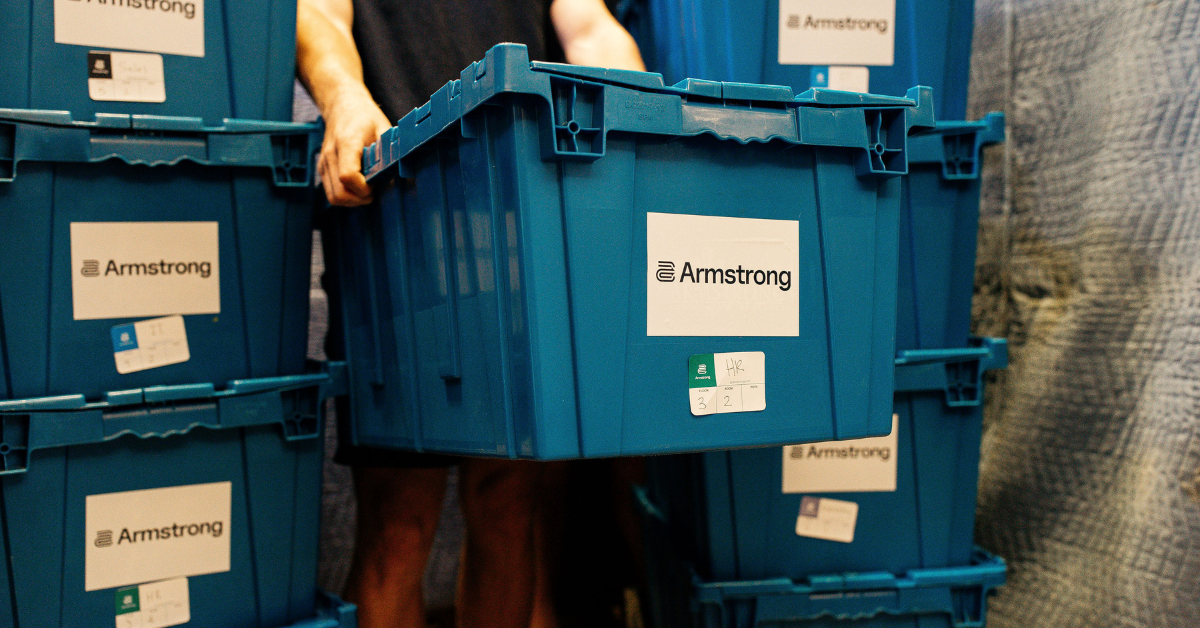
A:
124	338
150	344
844	78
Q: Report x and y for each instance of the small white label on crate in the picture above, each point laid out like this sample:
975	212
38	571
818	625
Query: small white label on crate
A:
126	77
827	519
863	465
150	344
156	534
727	382
154	605
722	276
845	78
837	32
168	26
135	269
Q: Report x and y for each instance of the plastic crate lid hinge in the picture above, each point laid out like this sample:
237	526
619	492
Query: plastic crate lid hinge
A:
957	372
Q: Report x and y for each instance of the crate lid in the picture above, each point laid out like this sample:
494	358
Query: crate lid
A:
585	103
162	394
54	136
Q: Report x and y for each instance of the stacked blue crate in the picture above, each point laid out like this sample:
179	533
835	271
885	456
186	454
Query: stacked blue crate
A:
735	521
108	225
736	516
887	46
184	503
938	224
211	60
157	221
159	437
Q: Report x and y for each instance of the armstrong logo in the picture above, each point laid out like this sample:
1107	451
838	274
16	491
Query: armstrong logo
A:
104	538
91	268
743	276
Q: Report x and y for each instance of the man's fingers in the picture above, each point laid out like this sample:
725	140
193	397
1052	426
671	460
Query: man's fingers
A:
327	184
349	167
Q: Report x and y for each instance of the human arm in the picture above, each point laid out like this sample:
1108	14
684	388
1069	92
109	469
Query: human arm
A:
328	64
590	35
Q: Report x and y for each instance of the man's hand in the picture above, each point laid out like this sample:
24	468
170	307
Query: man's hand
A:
328	64
352	122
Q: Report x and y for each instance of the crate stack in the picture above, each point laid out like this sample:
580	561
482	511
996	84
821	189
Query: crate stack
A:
576	262
160	457
860	532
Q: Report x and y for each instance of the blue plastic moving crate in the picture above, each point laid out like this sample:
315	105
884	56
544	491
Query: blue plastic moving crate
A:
738	40
71	466
950	597
938	224
166	217
729	512
555	203
228	60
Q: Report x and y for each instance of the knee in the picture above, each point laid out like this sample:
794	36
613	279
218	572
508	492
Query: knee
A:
499	507
398	517
392	531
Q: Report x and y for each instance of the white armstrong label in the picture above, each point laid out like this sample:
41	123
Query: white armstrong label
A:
720	276
156	534
154	605
863	465
837	32
126	77
168	26
150	344
136	269
827	519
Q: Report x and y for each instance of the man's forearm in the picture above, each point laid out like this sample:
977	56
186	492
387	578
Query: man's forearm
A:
327	62
591	36
609	46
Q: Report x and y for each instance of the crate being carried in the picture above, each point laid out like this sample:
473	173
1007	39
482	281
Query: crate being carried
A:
895	503
151	251
165	505
579	262
211	60
877	46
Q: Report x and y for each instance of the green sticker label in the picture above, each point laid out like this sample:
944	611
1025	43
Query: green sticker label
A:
127	600
702	372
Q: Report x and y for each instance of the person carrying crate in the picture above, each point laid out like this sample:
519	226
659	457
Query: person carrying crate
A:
366	63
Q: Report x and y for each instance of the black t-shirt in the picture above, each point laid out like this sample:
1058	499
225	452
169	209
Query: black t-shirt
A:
411	48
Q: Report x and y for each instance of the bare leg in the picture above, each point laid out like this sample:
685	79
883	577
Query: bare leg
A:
397	517
496	577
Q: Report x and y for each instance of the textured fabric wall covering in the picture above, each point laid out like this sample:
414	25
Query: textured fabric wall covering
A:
1089	263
